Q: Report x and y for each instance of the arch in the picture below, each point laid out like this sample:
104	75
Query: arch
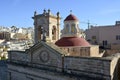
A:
54	33
67	28
72	28
39	32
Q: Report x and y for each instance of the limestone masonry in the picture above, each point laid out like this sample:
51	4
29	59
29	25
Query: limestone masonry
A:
69	57
45	61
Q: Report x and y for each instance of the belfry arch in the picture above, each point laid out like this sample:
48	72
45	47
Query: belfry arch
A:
54	33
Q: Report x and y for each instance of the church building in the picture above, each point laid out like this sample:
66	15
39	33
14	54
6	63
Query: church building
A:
70	57
72	41
47	28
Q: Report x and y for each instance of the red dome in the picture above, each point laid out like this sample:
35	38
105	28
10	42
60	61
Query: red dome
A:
71	17
72	41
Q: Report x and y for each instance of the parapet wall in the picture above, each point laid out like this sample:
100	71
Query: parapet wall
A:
96	67
93	67
102	68
18	56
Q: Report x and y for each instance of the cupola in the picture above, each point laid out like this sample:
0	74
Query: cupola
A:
71	27
71	17
71	33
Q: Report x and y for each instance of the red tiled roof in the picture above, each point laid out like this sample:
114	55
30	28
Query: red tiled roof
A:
72	41
71	17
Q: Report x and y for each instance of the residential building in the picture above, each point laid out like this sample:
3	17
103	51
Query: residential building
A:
106	36
5	35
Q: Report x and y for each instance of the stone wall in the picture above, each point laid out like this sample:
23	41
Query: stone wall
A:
92	51
109	52
28	65
115	67
115	46
30	73
92	67
18	56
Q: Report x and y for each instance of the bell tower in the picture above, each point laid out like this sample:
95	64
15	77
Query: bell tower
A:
46	26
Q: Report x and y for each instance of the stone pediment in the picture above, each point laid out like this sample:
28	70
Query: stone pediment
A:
46	54
47	45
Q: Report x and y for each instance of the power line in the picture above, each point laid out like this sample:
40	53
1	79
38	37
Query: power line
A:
88	23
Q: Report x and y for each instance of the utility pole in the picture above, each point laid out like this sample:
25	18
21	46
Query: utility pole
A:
88	24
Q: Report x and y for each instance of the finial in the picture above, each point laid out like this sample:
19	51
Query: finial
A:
35	13
58	14
44	11
70	11
48	10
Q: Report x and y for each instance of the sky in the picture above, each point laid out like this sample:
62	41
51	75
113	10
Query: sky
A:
97	12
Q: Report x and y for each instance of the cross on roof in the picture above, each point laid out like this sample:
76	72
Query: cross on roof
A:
70	11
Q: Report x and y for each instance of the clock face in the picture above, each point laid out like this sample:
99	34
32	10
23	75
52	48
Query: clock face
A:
44	56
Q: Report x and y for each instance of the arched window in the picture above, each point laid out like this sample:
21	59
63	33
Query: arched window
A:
67	28
73	28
